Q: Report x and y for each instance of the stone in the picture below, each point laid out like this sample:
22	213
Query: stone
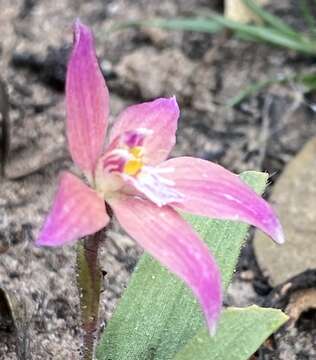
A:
294	199
236	10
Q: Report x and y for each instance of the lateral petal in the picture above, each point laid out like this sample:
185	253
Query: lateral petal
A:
167	237
160	117
87	101
77	211
211	190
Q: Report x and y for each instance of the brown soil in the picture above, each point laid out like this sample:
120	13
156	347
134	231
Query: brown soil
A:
203	71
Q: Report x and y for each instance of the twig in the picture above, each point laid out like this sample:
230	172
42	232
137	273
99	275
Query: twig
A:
264	133
5	123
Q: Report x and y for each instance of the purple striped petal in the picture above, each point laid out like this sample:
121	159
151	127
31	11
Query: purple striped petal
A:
210	190
87	101
160	118
77	211
168	238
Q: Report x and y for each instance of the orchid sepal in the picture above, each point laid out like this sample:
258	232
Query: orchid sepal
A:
87	102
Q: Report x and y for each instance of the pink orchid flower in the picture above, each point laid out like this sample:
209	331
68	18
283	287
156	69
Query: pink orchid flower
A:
144	190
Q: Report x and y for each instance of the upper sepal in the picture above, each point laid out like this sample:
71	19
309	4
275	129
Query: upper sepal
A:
159	118
87	101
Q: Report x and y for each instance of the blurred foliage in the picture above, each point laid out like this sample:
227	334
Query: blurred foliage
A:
272	30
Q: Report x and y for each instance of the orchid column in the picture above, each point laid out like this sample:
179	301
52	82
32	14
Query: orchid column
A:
131	179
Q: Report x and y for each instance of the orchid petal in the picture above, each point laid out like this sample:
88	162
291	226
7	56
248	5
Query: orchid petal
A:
210	190
87	101
167	237
154	186
160	117
77	211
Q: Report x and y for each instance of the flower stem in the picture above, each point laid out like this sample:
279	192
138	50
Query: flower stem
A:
89	286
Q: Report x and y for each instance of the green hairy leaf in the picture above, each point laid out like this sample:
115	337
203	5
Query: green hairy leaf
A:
240	333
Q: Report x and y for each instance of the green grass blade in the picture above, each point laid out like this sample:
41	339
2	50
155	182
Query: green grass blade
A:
274	21
187	24
255	87
251	89
214	23
310	20
307	80
240	333
183	24
269	35
157	314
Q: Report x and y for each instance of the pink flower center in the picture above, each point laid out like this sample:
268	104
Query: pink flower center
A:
124	156
124	169
126	153
134	165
